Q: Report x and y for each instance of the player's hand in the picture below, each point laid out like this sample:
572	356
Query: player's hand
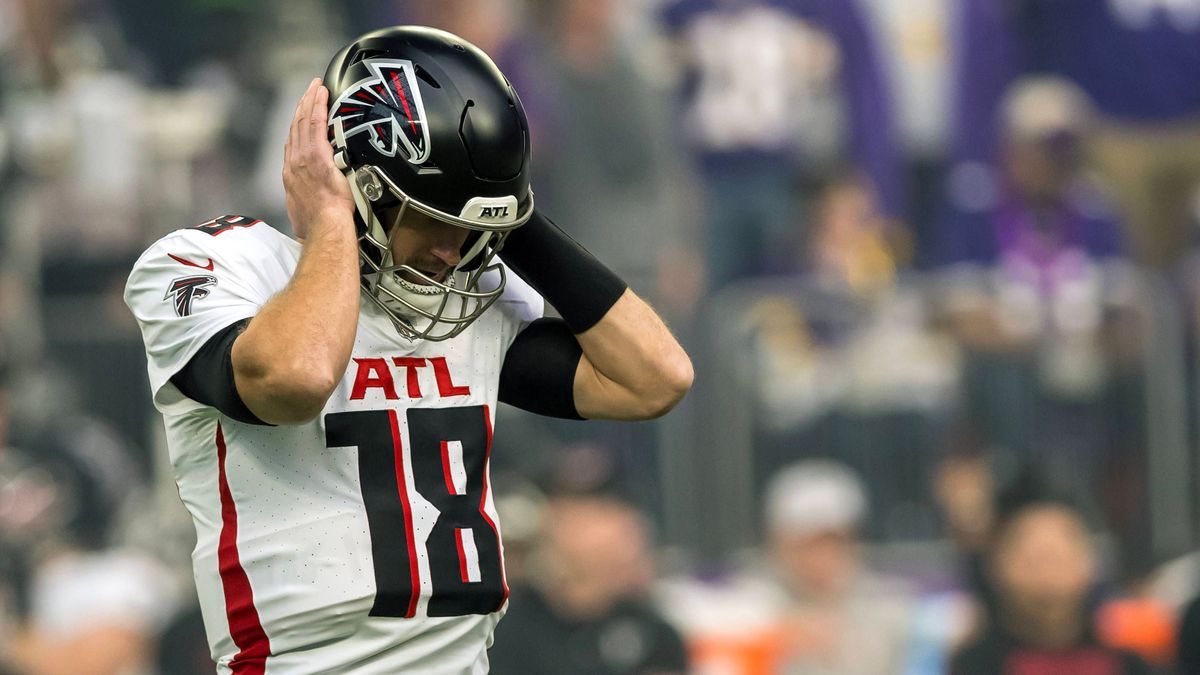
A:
318	195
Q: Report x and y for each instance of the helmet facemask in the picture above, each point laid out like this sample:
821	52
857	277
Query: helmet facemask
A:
427	309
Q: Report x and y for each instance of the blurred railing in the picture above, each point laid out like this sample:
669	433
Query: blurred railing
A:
888	382
793	369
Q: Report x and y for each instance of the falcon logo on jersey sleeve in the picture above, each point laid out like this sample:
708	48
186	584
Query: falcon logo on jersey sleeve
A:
184	290
388	107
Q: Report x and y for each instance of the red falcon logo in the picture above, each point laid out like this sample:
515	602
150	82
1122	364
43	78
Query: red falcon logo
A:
184	290
388	107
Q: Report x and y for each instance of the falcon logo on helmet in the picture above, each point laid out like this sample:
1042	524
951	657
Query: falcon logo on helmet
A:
186	289
387	106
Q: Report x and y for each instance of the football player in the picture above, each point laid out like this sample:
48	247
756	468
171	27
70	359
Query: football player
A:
329	401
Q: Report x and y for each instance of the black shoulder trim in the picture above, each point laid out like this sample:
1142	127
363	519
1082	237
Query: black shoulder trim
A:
208	377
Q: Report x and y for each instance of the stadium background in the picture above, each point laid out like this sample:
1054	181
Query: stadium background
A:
949	245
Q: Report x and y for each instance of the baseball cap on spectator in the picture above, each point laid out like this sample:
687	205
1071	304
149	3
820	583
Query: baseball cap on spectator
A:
815	496
1040	109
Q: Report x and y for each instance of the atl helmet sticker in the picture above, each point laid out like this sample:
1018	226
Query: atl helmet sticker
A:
184	290
388	107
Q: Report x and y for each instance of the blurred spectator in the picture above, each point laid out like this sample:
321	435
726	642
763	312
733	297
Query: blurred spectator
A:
1038	219
849	244
606	166
87	606
813	511
584	611
1137	620
964	489
822	343
1138	61
757	74
810	608
1043	568
914	39
1038	286
1039	291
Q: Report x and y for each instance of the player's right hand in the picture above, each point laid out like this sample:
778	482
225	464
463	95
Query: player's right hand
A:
318	195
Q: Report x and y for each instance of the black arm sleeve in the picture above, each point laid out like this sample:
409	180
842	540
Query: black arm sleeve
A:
579	286
539	370
208	377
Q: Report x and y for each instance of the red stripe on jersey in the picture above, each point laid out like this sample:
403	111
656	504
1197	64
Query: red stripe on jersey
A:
487	461
244	625
446	469
398	448
462	556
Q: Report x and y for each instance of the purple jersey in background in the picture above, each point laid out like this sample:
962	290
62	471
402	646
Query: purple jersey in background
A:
1138	60
756	72
1009	229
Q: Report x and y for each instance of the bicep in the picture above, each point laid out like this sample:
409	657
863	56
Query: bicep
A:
599	397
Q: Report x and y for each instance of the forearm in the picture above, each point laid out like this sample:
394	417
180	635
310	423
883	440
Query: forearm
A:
295	350
633	368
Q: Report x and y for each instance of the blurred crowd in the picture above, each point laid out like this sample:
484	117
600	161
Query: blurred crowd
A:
935	260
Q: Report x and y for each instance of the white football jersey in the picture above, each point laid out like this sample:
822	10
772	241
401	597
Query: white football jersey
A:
365	541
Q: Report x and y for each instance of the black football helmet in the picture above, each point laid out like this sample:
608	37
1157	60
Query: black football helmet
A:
421	119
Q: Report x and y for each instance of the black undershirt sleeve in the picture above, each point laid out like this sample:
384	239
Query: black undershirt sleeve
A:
208	377
539	370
